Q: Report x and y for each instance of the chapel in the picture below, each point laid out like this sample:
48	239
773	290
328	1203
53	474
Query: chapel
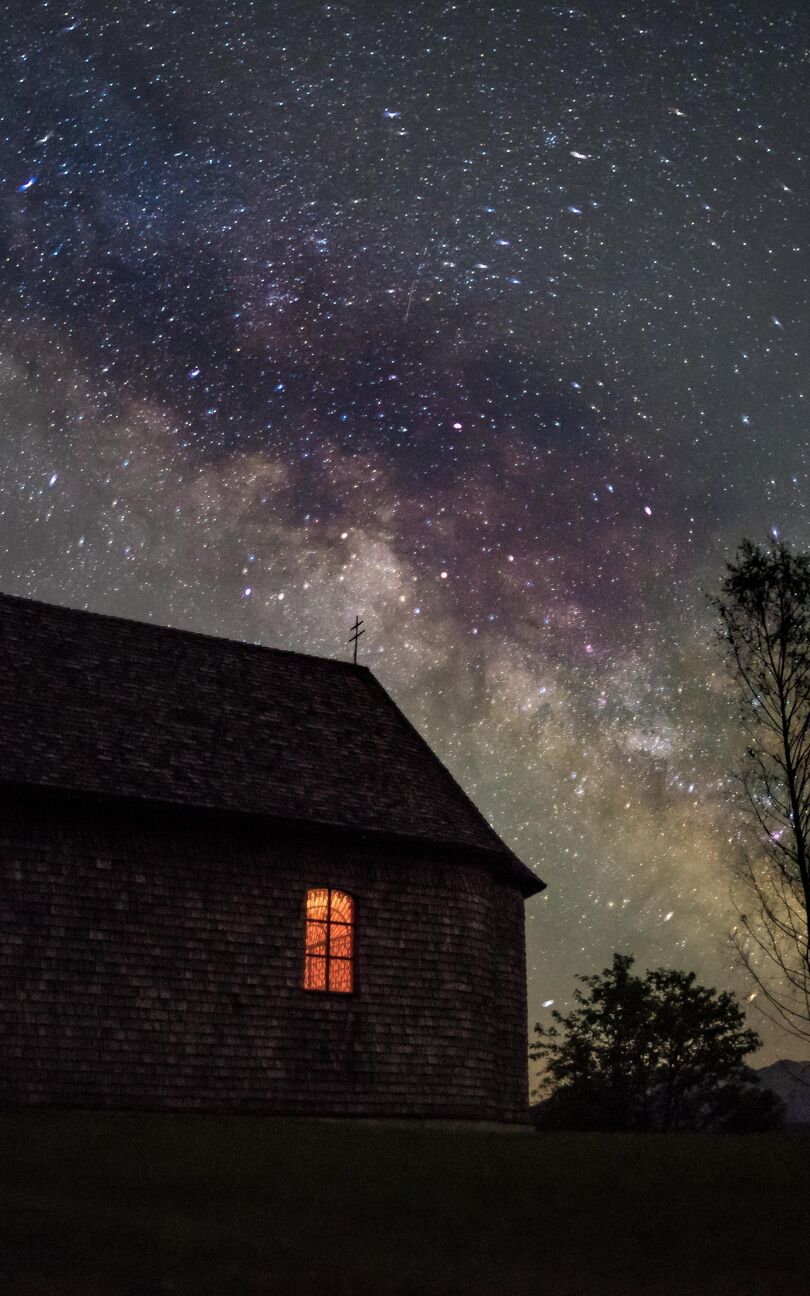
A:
237	879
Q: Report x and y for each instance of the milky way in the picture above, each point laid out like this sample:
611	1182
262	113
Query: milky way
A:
486	323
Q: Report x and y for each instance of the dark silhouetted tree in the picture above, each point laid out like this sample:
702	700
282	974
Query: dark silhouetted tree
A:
764	610
658	1052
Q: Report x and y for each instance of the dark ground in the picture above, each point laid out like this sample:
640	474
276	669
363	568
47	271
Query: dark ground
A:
117	1205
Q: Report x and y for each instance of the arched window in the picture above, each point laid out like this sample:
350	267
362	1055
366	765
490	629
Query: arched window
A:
329	941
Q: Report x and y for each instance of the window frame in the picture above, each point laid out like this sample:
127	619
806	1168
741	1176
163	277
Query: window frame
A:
328	958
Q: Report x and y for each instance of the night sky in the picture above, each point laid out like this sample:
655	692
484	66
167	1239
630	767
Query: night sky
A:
487	323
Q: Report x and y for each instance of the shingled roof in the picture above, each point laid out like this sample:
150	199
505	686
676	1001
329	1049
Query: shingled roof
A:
97	704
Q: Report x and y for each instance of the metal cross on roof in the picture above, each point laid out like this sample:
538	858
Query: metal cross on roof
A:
356	633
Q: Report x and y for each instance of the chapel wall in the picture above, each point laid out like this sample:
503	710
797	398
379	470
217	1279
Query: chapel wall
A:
153	960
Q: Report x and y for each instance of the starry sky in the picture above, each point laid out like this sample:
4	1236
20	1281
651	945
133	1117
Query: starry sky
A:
486	322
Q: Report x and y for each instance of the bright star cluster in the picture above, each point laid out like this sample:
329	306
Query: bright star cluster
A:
485	322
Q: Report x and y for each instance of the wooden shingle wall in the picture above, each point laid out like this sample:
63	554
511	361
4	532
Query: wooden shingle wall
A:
154	961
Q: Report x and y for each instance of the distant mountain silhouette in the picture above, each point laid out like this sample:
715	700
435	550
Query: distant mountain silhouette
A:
791	1082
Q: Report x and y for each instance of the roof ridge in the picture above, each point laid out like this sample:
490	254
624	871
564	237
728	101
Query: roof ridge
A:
158	626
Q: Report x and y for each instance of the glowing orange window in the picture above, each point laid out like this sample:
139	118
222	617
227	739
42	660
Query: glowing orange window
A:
329	941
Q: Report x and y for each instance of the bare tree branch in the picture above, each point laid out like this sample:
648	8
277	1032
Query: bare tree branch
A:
764	614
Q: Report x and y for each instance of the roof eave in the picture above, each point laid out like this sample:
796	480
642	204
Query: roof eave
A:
504	861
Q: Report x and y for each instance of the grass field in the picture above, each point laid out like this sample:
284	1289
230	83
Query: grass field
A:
120	1205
